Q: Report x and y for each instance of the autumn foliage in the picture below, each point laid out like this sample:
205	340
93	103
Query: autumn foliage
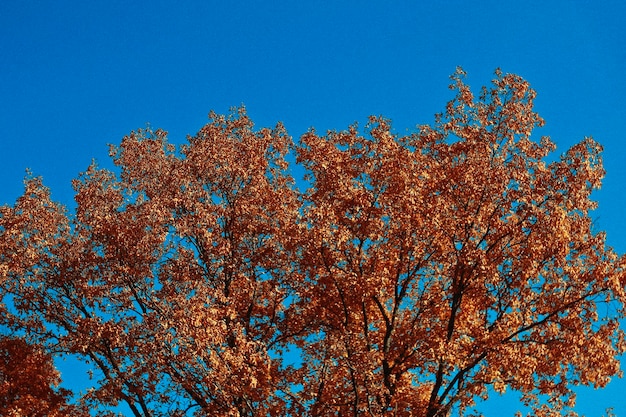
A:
405	276
29	383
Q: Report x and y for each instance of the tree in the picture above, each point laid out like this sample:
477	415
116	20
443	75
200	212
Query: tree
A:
28	382
413	276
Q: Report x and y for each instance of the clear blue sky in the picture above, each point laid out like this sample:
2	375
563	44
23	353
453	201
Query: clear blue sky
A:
75	76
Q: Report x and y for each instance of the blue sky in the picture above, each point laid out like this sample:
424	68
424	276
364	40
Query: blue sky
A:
75	76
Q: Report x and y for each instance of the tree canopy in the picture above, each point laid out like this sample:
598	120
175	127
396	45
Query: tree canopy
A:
405	276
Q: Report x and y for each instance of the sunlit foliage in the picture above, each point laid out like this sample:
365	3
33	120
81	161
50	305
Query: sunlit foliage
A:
406	276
